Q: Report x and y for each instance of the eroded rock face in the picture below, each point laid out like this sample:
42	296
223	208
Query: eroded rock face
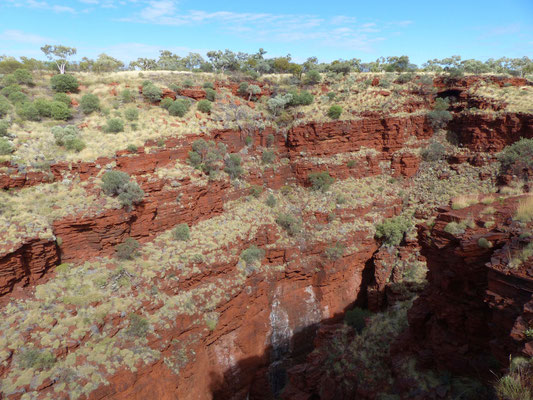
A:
475	307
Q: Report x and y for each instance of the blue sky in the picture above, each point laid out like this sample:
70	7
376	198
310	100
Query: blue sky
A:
329	30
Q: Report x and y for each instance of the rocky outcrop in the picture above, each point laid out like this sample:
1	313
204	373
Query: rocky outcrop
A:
476	306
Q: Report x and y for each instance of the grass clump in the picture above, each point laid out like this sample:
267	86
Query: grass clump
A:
458	228
204	106
321	180
5	107
89	103
128	249
256	190
4	126
517	384
210	94
290	223
484	243
131	114
524	211
392	230
126	96
5	147
460	202
152	93
517	157
270	201
252	254
268	156
179	108
166	103
68	137
181	232
433	152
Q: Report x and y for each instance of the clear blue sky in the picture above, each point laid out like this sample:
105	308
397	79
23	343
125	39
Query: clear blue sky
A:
368	29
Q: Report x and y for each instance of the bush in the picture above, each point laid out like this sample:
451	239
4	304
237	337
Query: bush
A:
117	183
152	93
335	111
204	106
270	140
291	224
210	94
181	232
114	125
131	114
335	252
256	190
174	87
270	201
331	96
312	77
89	103
68	137
392	230
208	85
17	98
302	98
233	166
139	326
28	111
5	147
439	118
321	180
64	83
434	152
166	103
5	107
188	83
356	318
128	249
126	96
179	108
517	157
60	111
268	156
484	243
36	359
4	126
252	254
243	88
278	103
9	80
11	89
23	76
63	97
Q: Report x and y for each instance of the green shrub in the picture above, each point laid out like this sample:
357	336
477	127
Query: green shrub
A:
404	78
5	147
517	157
392	230
174	87
270	201
139	326
44	107
268	156
10	89
179	108
181	232
243	88
117	183
23	76
456	228
208	85
439	118
5	107
126	96
4	126
233	166
335	111
128	249
166	103
132	148
356	318
152	93
210	94
17	98
60	111
131	114
256	190
28	111
114	125
312	77
434	152
252	254
321	180
89	103
64	83
291	224
270	139
301	98
9	80
331	96
68	137
36	359
188	83
248	140
204	106
63	97
335	252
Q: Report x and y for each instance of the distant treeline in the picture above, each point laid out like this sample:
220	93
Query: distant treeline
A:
257	64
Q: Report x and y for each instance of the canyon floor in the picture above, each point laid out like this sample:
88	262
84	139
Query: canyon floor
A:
263	251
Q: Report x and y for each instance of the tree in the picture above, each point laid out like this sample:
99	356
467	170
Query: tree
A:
106	63
169	61
145	64
59	55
